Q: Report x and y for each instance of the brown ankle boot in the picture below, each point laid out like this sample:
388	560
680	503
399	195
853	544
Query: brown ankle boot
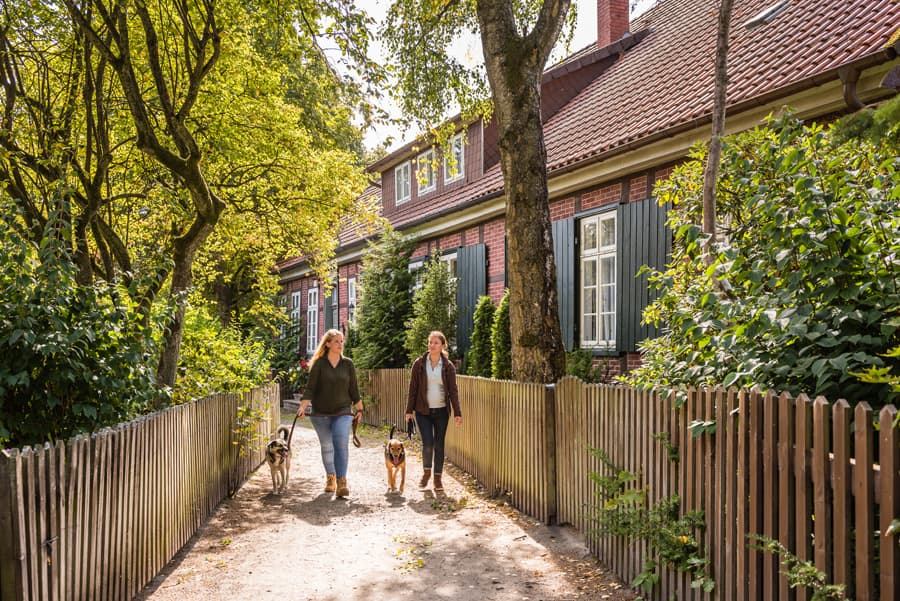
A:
329	483
438	485
342	489
423	483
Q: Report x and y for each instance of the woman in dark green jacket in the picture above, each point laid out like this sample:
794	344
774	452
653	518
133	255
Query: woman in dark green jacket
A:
333	391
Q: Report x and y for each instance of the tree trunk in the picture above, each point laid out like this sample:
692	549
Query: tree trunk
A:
514	67
711	172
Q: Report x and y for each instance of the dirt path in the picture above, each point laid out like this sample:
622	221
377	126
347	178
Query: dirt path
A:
306	545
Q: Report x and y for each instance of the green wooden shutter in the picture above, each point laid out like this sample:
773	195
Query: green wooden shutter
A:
643	239
331	308
564	253
471	284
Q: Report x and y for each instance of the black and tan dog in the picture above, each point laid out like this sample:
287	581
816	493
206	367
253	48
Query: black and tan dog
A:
278	456
395	461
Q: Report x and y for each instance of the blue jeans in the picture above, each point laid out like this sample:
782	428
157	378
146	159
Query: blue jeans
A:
334	439
433	429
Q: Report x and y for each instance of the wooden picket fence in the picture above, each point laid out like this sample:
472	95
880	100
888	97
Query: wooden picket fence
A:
97	517
821	478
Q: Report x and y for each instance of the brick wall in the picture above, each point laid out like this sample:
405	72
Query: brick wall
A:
601	196
562	209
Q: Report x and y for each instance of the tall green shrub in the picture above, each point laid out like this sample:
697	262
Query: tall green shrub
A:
478	359
385	302
434	308
501	341
73	358
215	358
803	289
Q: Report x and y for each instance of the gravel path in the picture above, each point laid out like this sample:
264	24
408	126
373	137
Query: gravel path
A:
376	545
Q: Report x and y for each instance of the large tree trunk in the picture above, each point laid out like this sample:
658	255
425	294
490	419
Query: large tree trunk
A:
514	67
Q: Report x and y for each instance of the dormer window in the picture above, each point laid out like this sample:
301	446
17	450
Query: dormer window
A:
401	183
454	161
425	172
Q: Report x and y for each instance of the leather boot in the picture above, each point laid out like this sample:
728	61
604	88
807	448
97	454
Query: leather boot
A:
342	489
426	475
329	483
438	485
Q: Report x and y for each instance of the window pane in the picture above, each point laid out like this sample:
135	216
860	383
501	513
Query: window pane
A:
589	272
589	328
588	235
589	300
608	299
608	270
608	232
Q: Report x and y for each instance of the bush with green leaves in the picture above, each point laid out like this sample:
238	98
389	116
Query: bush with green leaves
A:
434	308
803	287
501	342
622	508
385	303
73	358
580	363
478	359
215	359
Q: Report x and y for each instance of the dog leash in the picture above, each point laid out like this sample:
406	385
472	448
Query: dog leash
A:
357	417
291	434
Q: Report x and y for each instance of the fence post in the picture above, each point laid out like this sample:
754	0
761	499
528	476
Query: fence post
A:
550	451
11	556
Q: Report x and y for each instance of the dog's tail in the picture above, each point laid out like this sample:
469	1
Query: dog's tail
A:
393	429
282	432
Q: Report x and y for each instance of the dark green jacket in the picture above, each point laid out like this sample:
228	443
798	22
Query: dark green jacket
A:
332	390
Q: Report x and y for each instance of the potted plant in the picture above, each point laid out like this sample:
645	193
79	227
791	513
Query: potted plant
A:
297	377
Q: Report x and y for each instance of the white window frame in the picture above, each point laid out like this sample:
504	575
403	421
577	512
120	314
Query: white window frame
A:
425	165
351	301
449	260
415	267
457	149
312	319
597	264
296	316
402	188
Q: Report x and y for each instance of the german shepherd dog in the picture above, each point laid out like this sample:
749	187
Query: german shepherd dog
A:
395	461
278	456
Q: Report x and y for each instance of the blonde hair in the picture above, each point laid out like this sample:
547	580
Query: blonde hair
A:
322	349
440	336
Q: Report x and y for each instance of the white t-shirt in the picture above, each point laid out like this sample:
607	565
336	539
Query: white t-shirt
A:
435	381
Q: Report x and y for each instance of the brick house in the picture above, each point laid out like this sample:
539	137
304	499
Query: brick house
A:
618	115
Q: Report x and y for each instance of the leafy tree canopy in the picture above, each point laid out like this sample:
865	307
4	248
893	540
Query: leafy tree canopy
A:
803	290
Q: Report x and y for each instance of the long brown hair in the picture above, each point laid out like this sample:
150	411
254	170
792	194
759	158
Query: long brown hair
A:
322	349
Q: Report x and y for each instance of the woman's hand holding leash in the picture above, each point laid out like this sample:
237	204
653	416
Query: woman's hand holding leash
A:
301	412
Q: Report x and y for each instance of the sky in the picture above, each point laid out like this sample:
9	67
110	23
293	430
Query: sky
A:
585	33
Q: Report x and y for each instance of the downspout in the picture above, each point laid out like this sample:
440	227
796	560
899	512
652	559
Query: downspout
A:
849	77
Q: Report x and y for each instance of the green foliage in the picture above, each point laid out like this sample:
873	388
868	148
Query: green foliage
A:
216	359
73	358
623	509
296	377
434	308
799	572
246	431
479	356
385	302
501	342
803	289
580	363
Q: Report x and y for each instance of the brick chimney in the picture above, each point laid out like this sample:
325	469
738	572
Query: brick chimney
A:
612	21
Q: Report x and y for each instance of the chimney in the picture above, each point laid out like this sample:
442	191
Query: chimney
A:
612	21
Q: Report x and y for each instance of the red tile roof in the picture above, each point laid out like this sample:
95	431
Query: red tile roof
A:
667	79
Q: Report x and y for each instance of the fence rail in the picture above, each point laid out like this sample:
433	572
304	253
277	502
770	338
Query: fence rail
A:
821	478
97	517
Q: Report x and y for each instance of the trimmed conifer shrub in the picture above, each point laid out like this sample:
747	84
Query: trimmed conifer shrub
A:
478	359
501	341
434	308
